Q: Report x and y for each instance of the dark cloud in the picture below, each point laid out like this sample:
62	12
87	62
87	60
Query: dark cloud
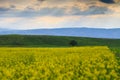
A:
41	0
12	6
75	11
53	11
93	10
29	11
108	1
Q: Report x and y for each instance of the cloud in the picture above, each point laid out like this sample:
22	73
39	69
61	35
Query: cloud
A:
92	10
108	1
2	9
37	4
32	8
41	0
24	14
58	22
56	11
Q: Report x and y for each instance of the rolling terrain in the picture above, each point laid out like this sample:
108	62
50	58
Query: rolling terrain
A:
78	32
54	41
36	57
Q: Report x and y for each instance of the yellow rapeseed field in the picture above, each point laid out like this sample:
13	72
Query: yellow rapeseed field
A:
75	63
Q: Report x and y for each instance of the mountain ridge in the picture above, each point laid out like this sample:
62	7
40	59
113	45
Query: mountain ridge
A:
77	32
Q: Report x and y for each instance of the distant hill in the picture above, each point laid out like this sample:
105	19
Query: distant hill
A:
79	32
53	41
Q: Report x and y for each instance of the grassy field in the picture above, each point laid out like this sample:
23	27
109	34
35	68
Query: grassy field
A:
116	51
75	63
53	41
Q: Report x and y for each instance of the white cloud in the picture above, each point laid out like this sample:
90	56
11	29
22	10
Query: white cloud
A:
109	21
25	14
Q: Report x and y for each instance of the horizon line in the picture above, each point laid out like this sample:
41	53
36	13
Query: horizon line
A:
60	28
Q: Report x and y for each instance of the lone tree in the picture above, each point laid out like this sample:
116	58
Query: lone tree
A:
73	43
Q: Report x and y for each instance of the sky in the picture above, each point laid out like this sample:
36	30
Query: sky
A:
37	14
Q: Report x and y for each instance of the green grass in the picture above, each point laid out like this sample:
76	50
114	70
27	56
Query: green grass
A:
53	41
116	51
